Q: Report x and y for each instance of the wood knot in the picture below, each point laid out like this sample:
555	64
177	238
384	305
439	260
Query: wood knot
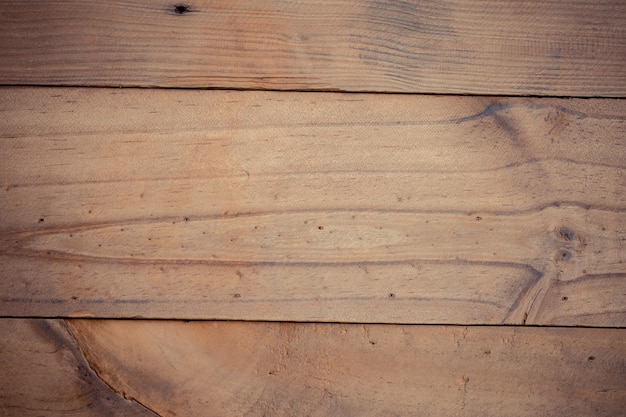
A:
563	255
566	234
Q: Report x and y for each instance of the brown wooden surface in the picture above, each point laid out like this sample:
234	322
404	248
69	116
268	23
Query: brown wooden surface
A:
43	373
312	207
510	47
315	207
284	369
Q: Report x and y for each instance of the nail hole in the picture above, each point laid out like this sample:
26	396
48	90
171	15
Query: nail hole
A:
392	295
565	298
41	220
321	227
181	8
591	358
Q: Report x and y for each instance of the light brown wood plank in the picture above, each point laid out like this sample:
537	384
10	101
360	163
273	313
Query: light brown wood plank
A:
312	207
560	47
43	373
285	369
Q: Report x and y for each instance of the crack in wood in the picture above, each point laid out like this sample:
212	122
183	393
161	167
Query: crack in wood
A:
80	355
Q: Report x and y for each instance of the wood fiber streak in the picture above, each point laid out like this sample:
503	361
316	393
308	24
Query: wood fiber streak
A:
286	369
312	207
557	48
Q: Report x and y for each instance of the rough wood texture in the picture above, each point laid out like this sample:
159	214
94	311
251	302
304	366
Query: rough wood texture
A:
284	369
43	373
168	368
312	207
511	47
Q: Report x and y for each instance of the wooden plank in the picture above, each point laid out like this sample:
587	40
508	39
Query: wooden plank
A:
559	47
312	207
286	369
45	374
146	368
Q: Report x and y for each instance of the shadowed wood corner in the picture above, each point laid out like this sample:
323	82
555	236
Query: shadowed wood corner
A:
258	224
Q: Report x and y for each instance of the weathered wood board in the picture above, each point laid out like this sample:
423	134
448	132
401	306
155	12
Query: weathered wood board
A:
285	369
44	373
371	254
312	207
510	47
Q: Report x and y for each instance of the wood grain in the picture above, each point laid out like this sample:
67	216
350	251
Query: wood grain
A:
312	207
45	374
286	369
558	48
